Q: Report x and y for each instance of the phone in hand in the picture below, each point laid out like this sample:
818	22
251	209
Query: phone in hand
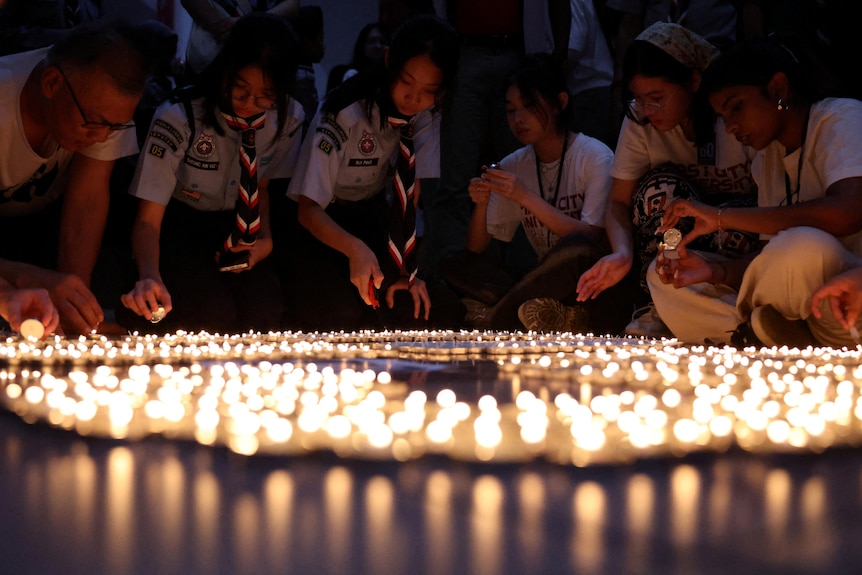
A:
232	261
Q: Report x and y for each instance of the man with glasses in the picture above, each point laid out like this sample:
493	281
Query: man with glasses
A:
65	113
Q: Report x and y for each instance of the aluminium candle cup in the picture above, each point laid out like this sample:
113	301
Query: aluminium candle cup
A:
32	329
158	315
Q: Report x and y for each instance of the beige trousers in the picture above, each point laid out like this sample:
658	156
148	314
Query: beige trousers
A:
784	275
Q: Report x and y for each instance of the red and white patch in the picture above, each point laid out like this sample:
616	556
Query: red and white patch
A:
367	145
205	146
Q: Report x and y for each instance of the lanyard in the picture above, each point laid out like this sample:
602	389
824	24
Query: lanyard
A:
789	194
559	179
559	174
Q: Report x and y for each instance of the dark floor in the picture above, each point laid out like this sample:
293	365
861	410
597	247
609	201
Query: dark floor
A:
74	505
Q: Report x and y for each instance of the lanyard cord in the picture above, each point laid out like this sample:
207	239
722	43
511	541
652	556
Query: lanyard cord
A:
787	191
559	174
559	179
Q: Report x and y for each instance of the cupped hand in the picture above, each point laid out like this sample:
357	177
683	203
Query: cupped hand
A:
364	270
504	183
146	297
80	312
705	218
480	191
16	305
605	273
688	269
845	299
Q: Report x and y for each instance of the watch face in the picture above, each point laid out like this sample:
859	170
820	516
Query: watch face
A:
672	237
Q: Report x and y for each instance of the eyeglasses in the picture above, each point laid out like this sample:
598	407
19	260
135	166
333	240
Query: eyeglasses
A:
88	124
262	102
639	107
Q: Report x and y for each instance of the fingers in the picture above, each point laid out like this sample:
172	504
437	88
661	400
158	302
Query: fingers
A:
664	271
420	298
816	300
146	298
390	294
836	304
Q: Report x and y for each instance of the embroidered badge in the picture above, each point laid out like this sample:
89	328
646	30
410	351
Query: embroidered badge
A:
366	143
190	194
170	129
325	146
205	146
166	139
331	135
157	151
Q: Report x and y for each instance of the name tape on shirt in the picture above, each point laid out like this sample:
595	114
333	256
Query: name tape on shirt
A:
362	162
201	165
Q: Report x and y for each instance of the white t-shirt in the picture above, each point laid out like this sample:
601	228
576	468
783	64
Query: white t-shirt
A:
351	157
583	193
595	66
642	148
31	179
202	169
832	152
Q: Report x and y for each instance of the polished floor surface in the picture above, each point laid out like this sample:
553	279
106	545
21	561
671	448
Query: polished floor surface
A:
76	505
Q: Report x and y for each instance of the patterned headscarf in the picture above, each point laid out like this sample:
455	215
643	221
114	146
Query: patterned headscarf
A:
681	44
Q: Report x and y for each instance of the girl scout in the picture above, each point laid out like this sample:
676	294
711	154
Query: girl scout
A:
203	183
346	161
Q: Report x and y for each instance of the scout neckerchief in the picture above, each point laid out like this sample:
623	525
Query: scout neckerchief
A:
402	213
247	201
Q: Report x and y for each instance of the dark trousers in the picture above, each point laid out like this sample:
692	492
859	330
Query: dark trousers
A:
203	297
320	296
556	276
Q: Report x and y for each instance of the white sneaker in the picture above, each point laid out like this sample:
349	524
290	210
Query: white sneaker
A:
547	314
646	323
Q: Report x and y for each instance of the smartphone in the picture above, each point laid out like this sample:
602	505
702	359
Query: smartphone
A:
232	261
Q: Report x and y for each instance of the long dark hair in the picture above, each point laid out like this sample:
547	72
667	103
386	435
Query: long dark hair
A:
537	78
649	60
417	36
257	39
755	62
360	61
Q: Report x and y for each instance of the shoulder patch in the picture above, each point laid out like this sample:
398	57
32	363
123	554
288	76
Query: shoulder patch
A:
156	150
166	139
169	129
325	146
331	135
330	121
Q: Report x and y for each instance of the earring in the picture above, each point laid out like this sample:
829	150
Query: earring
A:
782	107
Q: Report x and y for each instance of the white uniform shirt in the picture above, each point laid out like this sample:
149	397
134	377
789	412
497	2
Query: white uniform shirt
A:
833	152
351	157
202	169
31	179
642	148
583	195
